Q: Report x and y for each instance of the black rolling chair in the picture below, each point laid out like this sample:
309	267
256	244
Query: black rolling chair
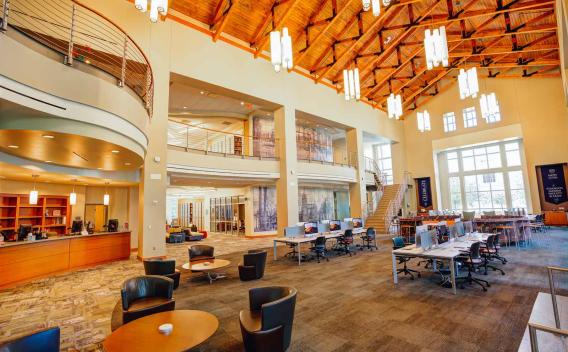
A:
41	341
267	325
489	253
473	261
397	243
253	265
319	249
369	239
163	267
146	295
201	252
345	242
497	246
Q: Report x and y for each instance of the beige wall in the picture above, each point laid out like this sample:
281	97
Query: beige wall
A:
535	105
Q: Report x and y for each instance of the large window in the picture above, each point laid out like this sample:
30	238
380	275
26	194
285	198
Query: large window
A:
483	178
469	117
384	159
449	122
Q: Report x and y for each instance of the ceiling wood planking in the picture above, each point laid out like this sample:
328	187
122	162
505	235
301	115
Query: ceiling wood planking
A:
331	35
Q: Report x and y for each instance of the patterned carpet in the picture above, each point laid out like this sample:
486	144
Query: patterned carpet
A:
346	304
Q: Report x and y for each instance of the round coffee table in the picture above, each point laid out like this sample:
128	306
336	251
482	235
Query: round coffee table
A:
207	267
191	328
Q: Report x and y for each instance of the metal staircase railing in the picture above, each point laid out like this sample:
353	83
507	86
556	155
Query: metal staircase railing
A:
82	34
396	203
380	178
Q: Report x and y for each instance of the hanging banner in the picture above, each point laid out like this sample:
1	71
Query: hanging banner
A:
424	193
554	183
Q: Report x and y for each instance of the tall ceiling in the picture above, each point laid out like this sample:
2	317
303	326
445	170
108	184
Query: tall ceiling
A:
505	38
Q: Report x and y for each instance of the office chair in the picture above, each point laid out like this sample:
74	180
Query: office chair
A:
344	242
488	252
497	246
473	261
319	248
369	238
397	243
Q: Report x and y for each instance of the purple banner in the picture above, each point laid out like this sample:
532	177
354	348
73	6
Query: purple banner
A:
553	183
424	192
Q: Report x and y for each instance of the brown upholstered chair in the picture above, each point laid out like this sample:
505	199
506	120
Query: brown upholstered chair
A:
267	325
201	252
163	267
253	265
146	295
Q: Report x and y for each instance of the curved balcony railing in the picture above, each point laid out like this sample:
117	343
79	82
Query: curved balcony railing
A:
209	141
84	35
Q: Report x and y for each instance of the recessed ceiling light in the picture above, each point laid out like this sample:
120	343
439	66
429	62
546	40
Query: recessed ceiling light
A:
242	103
127	164
202	92
116	151
13	146
99	168
48	136
48	161
185	107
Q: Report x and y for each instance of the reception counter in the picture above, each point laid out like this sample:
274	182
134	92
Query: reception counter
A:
21	261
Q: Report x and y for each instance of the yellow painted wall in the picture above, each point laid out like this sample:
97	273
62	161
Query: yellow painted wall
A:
536	105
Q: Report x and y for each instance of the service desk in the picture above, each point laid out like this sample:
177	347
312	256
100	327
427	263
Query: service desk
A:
555	218
20	261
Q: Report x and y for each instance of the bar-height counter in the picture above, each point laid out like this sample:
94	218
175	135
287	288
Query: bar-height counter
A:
21	261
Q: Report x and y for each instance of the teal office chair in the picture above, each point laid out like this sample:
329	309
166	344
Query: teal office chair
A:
397	243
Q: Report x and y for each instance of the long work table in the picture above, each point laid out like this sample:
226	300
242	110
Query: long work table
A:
299	240
24	260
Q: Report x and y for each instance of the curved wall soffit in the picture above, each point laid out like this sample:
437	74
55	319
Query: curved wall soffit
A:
221	172
128	176
326	178
74	127
199	113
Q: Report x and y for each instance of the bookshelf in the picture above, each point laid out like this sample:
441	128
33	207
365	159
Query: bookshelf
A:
51	213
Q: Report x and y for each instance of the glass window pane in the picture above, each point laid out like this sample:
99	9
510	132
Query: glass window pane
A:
479	151
516	180
494	161
472	200
518	199
455	185
468	152
386	151
453	165
513	158
481	162
499	199
484	182
470	183
512	146
493	149
452	155
485	200
498	184
468	164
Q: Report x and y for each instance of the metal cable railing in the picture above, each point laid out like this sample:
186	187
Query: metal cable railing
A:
84	35
206	140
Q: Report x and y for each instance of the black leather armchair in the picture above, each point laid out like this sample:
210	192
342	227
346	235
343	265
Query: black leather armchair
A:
267	325
201	252
41	341
163	267
253	265
145	295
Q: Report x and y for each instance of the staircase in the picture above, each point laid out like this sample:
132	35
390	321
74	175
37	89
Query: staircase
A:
389	205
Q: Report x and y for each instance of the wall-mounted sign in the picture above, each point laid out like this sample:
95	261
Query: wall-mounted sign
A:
553	183
424	193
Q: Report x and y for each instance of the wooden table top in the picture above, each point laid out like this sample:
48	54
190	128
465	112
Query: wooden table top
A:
191	328
207	265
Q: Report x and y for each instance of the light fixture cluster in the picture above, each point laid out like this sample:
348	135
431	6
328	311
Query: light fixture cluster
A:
34	193
157	7
281	54
469	86
489	107
394	106
351	84
436	47
375	5
423	121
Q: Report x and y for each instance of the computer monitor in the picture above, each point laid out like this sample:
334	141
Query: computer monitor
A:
323	226
293	231
112	225
77	226
23	231
310	228
357	223
460	229
335	225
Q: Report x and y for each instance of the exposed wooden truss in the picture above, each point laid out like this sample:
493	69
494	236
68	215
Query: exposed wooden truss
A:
503	38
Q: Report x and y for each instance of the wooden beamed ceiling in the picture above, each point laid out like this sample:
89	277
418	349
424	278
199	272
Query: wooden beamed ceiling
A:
502	38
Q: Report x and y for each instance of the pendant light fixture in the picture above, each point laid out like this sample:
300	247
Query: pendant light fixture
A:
157	7
375	5
106	197
73	195
489	107
351	84
436	47
33	193
423	121
469	85
394	106
281	54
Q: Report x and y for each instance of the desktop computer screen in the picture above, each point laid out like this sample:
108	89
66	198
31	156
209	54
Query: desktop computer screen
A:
77	226
23	231
310	228
334	225
357	223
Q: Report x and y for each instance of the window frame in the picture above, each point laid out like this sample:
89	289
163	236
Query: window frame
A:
450	123
469	117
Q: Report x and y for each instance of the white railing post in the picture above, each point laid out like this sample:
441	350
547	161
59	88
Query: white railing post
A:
5	8
71	34
186	138
206	141
123	70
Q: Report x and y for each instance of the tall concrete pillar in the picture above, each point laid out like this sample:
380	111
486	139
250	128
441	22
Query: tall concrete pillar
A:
153	183
287	185
357	190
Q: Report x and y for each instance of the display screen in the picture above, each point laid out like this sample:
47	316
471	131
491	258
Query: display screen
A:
310	228
357	222
334	225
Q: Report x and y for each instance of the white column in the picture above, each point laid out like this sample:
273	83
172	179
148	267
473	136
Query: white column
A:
357	190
